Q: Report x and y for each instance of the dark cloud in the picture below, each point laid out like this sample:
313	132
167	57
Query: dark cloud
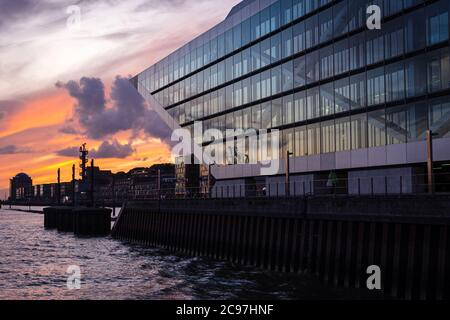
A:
107	149
112	150
127	109
9	106
68	130
12	149
70	152
13	9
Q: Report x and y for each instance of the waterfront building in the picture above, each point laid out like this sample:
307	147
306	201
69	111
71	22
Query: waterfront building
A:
20	187
346	99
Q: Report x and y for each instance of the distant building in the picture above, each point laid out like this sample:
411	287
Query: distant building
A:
121	186
21	187
147	183
187	178
102	183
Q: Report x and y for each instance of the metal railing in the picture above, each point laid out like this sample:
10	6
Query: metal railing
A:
306	186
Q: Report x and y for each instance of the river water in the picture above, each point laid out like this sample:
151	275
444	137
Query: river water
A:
34	263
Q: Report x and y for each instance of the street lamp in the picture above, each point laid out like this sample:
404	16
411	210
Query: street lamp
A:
287	171
430	136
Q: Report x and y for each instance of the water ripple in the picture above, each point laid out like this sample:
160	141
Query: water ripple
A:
34	262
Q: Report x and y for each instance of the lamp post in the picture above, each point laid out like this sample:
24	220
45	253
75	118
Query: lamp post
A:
287	171
430	136
73	185
58	195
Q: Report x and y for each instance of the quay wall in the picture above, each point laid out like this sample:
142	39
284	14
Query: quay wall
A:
335	238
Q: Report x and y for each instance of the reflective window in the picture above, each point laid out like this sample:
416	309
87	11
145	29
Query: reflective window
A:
343	134
276	80
417	120
376	128
266	53
246	61
275	48
288	109
357	16
438	70
300	109
327	99
374	46
395	82
298	37
359	131
328	136
256	117
358	91
287	44
255	27
256	57
299	72
326	62
237	37
326	25
246	32
287	76
375	87
288	142
229	45
277	115
298	9
437	22
256	87
394	38
246	91
275	10
265	84
396	128
311	32
237	94
313	139
357	51
342	95
313	103
237	65
416	83
440	117
286	11
340	21
265	21
301	141
341	57
414	35
312	67
266	115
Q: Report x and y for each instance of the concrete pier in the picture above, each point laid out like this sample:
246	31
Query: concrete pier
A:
81	221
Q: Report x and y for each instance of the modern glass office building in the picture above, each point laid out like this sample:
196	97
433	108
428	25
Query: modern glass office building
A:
345	99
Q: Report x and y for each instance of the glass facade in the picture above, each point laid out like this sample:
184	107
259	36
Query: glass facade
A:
312	69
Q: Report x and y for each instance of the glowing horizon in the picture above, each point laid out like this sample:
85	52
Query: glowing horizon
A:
40	51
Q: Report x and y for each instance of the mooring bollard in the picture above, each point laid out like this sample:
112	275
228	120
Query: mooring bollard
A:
92	221
64	219
50	215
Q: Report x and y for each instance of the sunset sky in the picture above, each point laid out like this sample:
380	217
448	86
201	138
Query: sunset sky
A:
52	74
